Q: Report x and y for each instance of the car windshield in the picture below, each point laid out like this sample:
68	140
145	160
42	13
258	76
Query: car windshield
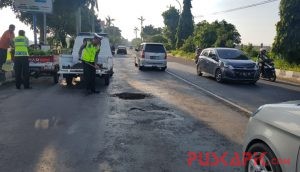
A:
232	54
155	48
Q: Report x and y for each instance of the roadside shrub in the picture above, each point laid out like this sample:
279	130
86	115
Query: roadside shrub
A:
188	45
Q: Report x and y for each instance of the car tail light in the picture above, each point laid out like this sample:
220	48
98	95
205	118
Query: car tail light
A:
143	54
166	55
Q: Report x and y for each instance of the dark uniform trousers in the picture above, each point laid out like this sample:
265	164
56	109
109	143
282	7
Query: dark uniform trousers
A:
3	56
21	66
89	75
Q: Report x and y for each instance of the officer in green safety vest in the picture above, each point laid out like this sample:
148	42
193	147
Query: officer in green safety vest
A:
21	63
89	53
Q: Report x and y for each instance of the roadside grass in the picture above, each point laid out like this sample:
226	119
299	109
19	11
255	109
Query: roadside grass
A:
284	65
182	54
279	63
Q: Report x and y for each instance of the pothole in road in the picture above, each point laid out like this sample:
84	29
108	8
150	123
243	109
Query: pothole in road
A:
131	96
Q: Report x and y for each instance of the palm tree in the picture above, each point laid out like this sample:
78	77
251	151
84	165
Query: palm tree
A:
109	21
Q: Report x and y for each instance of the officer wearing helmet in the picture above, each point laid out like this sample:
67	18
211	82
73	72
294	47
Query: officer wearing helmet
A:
89	52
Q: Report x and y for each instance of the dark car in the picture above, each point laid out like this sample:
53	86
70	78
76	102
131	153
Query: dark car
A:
227	64
121	50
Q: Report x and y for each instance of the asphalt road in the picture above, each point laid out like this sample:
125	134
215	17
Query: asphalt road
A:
245	95
60	128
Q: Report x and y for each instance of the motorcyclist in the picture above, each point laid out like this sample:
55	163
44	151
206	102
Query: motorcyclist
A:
263	59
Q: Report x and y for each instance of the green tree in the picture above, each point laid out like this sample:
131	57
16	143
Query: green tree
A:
186	24
159	38
287	40
228	36
216	34
136	42
114	34
188	45
150	31
171	19
250	50
205	35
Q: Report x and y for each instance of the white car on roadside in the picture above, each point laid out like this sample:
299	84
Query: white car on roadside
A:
151	55
272	139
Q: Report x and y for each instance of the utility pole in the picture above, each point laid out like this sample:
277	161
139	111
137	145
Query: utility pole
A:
142	19
78	20
45	28
136	29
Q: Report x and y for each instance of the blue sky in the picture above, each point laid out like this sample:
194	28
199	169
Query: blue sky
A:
256	25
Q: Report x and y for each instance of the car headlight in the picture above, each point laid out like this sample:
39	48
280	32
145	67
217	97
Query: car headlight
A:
228	66
259	109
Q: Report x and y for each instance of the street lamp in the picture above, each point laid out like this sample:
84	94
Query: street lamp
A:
180	6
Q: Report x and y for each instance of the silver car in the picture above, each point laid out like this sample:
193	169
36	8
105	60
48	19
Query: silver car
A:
272	139
227	64
151	55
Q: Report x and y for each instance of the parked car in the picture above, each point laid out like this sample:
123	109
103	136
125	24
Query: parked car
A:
151	55
227	64
121	50
275	130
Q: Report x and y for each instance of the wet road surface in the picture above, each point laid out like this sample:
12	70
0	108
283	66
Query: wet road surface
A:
59	128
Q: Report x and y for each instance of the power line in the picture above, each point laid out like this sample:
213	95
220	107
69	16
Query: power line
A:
240	8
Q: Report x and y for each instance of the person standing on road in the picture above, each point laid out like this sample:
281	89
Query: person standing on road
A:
90	52
6	42
197	54
21	60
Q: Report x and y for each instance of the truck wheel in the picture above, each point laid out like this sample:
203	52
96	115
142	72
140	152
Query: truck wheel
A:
141	68
106	80
55	78
69	80
163	68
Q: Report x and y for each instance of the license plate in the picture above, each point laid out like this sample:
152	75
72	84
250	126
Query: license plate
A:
153	57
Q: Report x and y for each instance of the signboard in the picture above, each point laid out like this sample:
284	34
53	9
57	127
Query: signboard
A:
43	6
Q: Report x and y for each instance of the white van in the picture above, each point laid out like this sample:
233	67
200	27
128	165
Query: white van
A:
71	67
151	55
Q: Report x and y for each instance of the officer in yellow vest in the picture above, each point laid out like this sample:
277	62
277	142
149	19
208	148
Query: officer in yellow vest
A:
21	63
90	51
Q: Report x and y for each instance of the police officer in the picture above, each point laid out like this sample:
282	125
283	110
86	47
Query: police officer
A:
21	63
90	52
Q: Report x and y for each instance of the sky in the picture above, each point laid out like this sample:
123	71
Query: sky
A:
256	25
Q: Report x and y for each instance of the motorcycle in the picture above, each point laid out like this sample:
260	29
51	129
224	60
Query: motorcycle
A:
267	70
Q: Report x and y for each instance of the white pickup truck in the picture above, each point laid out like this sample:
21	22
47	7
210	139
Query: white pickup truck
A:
70	66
